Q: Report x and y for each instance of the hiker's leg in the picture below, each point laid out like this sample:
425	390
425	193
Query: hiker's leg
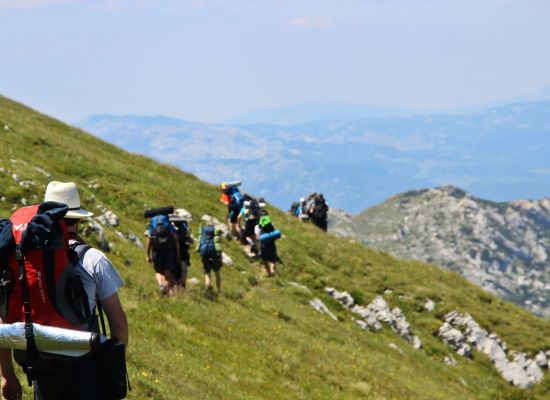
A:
273	268
160	279
207	280
266	266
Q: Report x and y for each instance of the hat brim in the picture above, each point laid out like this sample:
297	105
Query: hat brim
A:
78	214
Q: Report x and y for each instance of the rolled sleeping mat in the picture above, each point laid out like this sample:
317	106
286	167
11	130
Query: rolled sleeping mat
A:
276	234
151	212
49	339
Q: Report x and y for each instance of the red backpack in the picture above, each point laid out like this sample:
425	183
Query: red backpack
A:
42	271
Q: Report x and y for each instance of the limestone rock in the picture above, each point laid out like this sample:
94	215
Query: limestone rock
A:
521	371
108	218
429	305
375	313
194	281
226	260
449	360
132	237
542	360
319	306
184	214
94	227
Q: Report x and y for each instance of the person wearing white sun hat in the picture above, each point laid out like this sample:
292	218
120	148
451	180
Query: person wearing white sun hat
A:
101	283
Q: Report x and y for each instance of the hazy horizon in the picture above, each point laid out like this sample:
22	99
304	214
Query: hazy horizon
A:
212	60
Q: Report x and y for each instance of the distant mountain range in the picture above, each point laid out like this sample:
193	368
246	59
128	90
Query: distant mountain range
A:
500	153
327	110
502	247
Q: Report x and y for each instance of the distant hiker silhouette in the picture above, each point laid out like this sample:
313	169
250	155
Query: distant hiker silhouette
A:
234	200
163	250
249	216
210	249
317	210
185	240
266	234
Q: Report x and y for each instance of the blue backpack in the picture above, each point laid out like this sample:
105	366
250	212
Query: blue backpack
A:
207	246
236	198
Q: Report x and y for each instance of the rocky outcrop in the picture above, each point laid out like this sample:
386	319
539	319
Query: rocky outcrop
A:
460	330
94	228
375	314
183	214
108	218
502	247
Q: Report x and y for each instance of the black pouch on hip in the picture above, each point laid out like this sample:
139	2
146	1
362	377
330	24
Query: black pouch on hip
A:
112	370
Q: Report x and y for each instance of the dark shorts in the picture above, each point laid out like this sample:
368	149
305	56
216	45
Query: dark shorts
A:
210	264
180	269
234	214
249	228
268	252
80	381
163	260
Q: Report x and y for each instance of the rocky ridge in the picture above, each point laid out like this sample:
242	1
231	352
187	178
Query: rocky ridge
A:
521	371
459	331
502	247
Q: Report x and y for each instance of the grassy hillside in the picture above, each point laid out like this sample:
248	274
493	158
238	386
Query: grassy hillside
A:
261	339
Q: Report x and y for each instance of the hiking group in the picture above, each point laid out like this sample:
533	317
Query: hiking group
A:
251	224
55	288
312	208
168	238
51	278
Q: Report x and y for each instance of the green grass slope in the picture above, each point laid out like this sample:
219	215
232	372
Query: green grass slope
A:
261	339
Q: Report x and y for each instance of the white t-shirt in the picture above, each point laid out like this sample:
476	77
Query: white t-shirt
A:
99	276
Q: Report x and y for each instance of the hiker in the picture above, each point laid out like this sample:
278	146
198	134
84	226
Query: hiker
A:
249	216
95	283
318	211
267	235
295	209
210	249
163	251
303	215
185	240
234	200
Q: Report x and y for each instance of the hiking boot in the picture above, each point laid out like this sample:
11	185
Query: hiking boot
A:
163	289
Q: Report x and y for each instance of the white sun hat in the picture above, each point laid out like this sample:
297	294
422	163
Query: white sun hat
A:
67	193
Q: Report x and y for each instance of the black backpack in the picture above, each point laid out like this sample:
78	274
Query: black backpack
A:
320	208
161	238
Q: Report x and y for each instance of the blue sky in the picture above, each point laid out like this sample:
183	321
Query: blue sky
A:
208	60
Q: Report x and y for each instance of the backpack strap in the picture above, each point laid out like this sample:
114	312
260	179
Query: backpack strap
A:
77	253
32	350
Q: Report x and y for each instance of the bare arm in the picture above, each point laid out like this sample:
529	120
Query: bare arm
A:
118	324
11	388
149	249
